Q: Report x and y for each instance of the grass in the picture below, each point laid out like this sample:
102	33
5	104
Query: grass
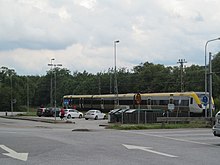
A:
27	114
194	124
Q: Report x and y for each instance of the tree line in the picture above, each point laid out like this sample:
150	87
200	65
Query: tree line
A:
145	77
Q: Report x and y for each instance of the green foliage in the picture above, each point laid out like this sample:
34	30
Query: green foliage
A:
146	77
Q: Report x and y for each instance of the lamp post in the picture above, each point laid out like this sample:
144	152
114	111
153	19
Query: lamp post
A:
115	82
55	85
210	83
53	66
206	44
51	82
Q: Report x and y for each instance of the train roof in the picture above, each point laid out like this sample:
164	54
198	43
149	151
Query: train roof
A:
133	94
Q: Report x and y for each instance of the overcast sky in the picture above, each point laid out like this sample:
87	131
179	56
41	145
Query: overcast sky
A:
80	34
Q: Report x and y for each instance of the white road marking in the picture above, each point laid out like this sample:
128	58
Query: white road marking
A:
166	137
148	149
14	154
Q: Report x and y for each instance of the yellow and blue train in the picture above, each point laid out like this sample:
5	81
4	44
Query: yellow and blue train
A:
190	102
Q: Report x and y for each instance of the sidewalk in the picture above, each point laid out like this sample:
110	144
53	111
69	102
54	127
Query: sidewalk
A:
2	113
38	119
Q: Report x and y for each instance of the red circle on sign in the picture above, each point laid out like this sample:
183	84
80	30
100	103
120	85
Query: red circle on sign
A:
138	98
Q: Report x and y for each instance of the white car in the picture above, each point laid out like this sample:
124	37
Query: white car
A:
216	127
72	113
95	114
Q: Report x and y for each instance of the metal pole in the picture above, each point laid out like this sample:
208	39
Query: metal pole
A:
55	89
116	84
51	82
11	96
27	96
181	62
55	93
110	83
210	83
206	44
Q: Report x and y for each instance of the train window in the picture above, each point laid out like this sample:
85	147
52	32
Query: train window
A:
108	102
163	102
126	102
75	101
96	101
155	102
87	101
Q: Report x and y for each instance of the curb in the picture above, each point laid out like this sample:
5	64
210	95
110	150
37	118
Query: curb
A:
39	120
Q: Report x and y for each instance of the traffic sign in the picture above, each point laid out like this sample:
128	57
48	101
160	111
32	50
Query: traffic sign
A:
171	107
205	100
138	98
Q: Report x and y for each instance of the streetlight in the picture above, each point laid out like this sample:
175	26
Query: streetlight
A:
115	84
55	85
210	82
51	82
206	44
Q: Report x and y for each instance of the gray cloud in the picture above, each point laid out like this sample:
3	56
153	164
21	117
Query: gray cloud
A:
80	33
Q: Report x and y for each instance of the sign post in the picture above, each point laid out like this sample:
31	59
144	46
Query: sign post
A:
205	101
138	101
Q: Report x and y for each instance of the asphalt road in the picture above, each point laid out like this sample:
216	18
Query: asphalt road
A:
55	144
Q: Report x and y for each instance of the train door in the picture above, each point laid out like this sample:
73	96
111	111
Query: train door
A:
102	104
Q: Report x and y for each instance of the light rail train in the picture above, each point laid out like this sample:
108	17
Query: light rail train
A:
190	102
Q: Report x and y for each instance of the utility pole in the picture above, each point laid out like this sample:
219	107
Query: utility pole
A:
181	62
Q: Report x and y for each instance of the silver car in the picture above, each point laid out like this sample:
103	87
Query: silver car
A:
216	127
95	114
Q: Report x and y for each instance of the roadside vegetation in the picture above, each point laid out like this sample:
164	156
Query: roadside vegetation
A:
146	77
196	124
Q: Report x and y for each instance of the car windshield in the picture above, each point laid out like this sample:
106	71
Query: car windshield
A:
92	111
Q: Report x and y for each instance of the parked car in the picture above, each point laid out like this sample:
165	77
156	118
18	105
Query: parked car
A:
94	114
216	127
41	112
73	113
50	112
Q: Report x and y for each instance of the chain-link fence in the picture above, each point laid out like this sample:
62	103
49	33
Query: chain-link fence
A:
140	116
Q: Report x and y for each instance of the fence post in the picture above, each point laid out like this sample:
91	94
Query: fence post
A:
145	117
